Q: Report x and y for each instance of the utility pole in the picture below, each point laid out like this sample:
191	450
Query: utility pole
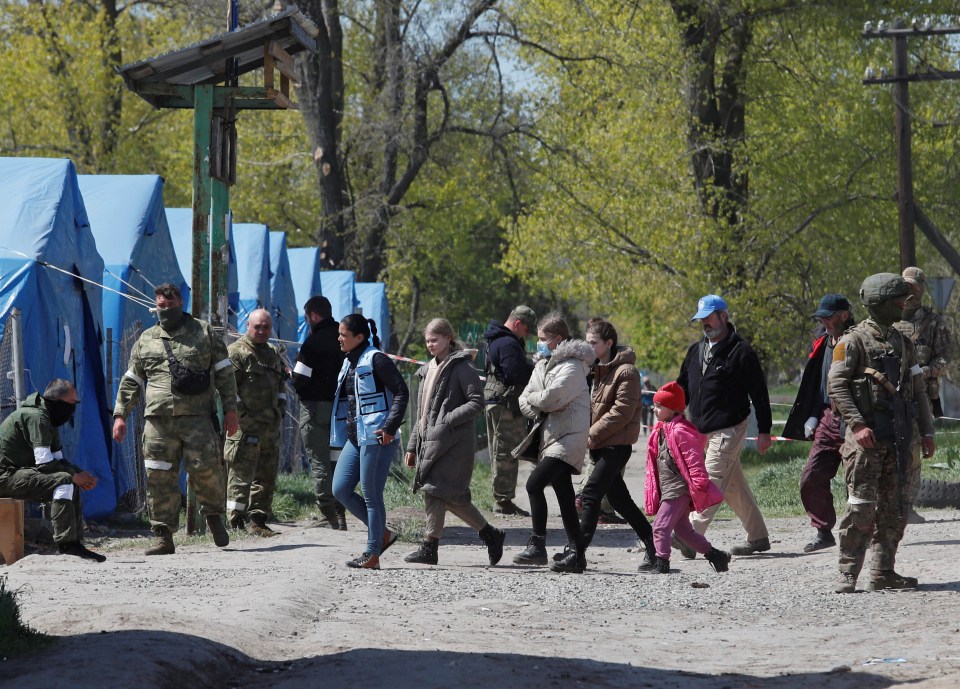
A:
901	95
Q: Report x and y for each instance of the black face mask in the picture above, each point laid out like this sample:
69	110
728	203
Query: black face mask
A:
60	411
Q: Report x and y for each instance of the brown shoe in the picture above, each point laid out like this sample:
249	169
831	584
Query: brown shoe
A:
389	538
882	579
847	583
258	527
365	561
163	545
220	536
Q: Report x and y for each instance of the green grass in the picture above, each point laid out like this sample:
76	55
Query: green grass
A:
15	637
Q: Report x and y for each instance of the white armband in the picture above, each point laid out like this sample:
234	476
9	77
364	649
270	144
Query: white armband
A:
282	396
42	455
58	454
134	377
302	369
222	364
915	370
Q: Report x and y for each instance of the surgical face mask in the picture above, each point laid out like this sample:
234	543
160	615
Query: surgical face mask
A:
60	411
543	350
170	317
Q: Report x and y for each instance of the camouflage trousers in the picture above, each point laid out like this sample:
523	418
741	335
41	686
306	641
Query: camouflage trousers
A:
167	439
872	517
315	434
504	432
40	485
252	455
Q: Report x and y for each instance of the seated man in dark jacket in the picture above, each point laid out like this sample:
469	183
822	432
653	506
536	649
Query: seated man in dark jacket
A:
32	466
812	418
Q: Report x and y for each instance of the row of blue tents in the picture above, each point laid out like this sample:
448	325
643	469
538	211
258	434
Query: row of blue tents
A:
79	257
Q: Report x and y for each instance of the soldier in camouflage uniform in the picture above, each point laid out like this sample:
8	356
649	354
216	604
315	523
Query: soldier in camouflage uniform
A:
864	396
32	465
507	372
179	362
253	452
931	337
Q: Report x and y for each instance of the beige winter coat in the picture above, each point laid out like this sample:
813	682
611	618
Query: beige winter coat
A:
558	392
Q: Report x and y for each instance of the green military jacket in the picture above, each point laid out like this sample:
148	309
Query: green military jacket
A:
260	374
856	394
931	337
28	439
196	346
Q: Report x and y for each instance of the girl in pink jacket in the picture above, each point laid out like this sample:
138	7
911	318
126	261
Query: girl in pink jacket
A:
677	482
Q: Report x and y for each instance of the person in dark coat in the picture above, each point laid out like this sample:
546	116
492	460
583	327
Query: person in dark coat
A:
812	418
443	442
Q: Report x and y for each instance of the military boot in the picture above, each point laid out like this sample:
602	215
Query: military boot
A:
164	543
238	523
493	538
426	554
719	560
573	561
658	566
331	519
258	527
535	552
881	579
341	517
847	583
220	536
649	550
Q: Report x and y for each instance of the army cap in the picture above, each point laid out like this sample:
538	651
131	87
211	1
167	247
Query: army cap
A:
525	315
915	276
877	288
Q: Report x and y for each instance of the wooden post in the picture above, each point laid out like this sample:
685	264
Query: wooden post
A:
11	530
901	96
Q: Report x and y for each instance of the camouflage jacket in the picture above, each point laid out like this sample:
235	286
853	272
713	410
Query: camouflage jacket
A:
931	337
28	439
857	395
196	346
260	376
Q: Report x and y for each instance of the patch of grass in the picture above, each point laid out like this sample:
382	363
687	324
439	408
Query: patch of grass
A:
294	499
15	637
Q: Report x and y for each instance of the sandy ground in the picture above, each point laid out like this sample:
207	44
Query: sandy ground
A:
286	612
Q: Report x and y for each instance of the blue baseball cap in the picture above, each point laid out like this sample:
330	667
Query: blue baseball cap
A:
830	304
709	304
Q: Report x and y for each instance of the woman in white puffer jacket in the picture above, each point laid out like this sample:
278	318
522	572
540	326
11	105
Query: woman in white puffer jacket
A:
558	397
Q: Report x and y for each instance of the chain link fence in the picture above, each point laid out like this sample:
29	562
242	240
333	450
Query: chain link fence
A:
128	469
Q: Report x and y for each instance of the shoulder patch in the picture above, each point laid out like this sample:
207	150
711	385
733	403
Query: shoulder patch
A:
840	351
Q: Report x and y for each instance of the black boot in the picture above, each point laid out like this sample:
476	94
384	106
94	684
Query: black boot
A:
658	566
494	539
341	517
719	560
220	536
650	550
331	519
77	549
574	561
426	554
535	552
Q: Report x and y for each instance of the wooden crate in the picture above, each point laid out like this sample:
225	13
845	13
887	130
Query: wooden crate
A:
11	530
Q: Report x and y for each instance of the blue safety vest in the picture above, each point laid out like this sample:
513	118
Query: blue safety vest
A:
373	405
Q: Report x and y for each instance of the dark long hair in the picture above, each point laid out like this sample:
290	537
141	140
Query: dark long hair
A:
359	325
604	330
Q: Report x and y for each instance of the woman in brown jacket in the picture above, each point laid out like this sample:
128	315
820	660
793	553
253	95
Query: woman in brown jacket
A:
614	428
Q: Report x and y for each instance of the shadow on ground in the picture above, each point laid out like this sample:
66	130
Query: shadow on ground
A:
155	659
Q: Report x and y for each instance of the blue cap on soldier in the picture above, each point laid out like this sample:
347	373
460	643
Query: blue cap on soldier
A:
708	305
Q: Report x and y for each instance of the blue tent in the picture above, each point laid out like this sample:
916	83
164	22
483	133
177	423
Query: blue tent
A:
129	224
128	221
180	222
373	302
43	228
252	242
305	272
337	286
283	299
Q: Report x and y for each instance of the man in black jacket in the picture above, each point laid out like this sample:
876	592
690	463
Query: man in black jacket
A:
315	380
508	371
721	376
813	418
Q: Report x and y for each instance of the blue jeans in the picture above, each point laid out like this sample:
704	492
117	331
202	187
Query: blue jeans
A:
369	466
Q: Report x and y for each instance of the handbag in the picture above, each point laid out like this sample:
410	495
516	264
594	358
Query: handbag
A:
184	380
529	447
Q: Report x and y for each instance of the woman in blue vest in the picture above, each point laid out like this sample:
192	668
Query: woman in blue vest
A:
369	405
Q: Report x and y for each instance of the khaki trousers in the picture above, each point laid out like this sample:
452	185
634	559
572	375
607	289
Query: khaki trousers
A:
723	466
436	510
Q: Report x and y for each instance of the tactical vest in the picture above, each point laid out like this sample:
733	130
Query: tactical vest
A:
373	405
872	390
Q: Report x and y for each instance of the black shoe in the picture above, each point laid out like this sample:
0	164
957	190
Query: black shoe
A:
574	561
719	560
426	554
238	523
535	552
685	550
341	517
507	508
658	566
649	551
330	519
77	549
220	536
761	545
914	517
824	539
493	538
568	548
